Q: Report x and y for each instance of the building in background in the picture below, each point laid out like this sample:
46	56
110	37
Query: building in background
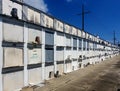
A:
35	46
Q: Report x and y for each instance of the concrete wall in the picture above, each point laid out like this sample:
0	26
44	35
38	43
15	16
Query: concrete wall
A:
74	31
35	76
46	21
68	54
68	67
74	65
74	54
60	40
7	6
12	32
67	29
79	33
58	25
60	54
68	41
60	68
74	42
32	34
49	72
25	13
13	81
21	56
34	56
33	16
12	57
83	34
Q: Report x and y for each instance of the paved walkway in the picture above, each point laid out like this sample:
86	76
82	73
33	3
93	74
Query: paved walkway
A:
104	76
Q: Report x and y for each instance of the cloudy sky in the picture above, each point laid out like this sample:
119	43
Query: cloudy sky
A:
39	4
103	19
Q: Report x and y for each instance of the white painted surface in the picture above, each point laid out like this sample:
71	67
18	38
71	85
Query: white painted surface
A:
77	47
83	34
60	68
19	9
13	57
67	28
8	5
74	31
49	22
87	35
64	52
68	54
74	54
33	16
12	32
68	41
37	17
79	33
19	36
34	56
43	54
30	15
25	54
35	76
1	56
60	55
74	65
32	34
47	70
69	67
55	58
46	21
58	25
60	41
13	81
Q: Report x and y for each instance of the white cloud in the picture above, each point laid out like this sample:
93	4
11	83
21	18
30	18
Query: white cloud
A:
39	4
69	0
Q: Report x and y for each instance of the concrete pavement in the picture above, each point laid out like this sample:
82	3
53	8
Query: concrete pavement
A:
104	76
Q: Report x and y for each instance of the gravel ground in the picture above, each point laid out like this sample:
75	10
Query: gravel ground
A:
104	76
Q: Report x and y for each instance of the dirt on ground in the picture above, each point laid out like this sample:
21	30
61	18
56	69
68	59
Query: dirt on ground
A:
104	76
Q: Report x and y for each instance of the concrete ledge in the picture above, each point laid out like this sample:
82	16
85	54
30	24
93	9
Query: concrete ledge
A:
31	66
12	69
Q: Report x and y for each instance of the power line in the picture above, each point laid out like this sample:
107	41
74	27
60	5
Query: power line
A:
83	13
114	37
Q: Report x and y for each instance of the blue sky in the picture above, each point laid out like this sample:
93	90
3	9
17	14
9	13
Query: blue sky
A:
103	19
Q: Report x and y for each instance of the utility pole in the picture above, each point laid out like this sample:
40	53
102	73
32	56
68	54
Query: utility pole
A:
83	13
114	37
83	17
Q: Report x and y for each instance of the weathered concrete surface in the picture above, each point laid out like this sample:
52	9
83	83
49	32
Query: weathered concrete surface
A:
104	76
